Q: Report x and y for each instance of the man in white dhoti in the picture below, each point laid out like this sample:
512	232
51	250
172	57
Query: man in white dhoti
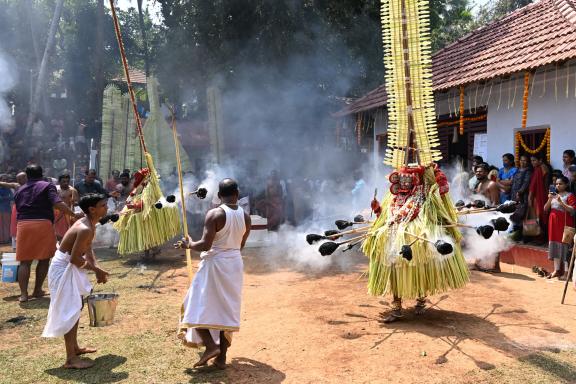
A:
68	282
211	309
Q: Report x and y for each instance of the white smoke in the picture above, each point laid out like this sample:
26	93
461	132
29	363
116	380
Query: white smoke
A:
8	79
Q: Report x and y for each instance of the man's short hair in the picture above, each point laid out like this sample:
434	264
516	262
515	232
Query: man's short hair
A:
509	156
570	153
34	171
477	159
125	174
90	200
63	176
228	187
484	166
91	170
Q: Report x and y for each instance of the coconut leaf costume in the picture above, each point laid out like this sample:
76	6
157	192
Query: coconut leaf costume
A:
403	260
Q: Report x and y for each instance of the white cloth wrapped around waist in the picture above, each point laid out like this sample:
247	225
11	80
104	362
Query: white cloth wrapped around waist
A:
67	284
214	298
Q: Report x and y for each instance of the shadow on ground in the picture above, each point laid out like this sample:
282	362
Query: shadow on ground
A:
101	372
452	328
239	370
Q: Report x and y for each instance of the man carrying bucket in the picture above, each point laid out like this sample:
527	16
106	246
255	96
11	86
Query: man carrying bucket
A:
68	282
211	309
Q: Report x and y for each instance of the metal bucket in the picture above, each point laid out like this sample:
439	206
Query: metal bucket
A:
101	308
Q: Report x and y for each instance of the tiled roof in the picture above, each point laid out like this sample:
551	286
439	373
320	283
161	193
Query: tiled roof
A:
536	35
136	76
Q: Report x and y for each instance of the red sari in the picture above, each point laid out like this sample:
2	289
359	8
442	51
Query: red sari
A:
539	192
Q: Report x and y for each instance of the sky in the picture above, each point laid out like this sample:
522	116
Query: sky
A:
153	7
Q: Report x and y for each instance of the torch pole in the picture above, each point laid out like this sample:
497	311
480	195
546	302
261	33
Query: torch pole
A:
182	197
568	273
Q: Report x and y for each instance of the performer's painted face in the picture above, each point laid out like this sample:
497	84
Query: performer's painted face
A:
406	182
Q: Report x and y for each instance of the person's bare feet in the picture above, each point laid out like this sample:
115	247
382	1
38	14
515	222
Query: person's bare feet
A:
219	363
78	363
83	351
207	356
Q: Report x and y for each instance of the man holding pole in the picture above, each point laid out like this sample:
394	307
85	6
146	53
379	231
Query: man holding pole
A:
211	308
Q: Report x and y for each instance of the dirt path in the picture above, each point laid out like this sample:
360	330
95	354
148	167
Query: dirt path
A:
304	327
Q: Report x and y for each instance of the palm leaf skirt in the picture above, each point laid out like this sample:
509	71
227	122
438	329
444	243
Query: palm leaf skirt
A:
428	272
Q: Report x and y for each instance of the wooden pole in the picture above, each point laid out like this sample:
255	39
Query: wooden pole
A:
182	197
568	273
128	81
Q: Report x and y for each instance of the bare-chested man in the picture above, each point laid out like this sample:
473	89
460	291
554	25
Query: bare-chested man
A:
485	186
69	196
68	282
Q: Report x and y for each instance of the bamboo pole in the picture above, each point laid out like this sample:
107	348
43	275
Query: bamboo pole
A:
568	273
182	197
128	81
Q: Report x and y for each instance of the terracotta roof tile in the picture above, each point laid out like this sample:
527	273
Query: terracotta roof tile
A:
538	34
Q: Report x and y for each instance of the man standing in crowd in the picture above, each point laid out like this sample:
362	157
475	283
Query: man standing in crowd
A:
20	180
211	308
35	203
485	186
568	159
69	196
505	176
91	185
113	181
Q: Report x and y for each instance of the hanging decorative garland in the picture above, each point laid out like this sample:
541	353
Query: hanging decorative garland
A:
544	143
525	98
456	122
461	109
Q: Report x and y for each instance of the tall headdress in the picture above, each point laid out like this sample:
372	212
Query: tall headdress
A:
412	132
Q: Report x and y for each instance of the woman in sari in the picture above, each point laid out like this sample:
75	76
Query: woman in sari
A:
561	205
519	192
538	190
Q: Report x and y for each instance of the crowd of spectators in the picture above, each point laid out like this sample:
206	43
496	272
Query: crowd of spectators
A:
545	197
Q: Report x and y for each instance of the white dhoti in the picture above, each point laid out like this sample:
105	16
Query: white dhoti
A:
214	297
67	284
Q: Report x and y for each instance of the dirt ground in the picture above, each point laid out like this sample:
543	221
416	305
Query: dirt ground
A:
300	326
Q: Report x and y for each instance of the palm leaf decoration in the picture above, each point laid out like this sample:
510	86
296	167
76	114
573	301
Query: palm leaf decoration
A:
412	132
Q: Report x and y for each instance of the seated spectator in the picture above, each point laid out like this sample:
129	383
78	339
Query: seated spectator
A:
505	176
561	206
485	186
472	182
568	159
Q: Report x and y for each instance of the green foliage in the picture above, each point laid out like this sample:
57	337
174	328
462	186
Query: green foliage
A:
496	9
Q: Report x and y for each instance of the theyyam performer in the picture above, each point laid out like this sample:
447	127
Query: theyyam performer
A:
68	281
211	308
413	245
